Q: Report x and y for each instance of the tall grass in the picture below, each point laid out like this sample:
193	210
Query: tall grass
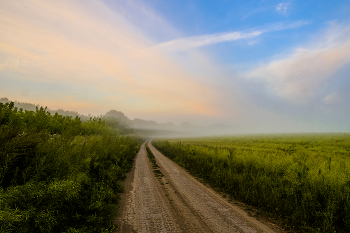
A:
59	174
301	179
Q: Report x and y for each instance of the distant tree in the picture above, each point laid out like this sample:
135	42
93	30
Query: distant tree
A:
185	124
118	115
4	100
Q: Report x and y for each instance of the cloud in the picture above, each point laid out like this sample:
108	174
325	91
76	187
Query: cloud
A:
145	18
332	98
85	45
298	76
203	40
252	42
198	41
282	8
253	12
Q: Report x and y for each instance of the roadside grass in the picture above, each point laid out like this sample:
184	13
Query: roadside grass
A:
302	180
59	174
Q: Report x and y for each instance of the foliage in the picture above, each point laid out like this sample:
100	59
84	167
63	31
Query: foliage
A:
301	179
33	107
59	174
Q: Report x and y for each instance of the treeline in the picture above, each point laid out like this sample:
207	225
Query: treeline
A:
59	174
303	181
115	119
33	107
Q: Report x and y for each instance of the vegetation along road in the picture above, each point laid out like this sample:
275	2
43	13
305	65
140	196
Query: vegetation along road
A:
162	197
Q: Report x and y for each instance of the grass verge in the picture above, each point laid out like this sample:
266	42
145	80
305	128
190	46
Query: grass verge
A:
302	180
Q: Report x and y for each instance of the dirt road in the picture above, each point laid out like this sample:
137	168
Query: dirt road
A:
176	202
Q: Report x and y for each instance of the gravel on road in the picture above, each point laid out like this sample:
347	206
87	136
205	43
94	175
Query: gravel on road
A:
176	202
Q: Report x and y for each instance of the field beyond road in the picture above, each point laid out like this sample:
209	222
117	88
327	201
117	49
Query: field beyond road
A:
302	180
163	197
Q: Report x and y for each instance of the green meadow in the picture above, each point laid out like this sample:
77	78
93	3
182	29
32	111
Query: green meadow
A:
301	179
60	174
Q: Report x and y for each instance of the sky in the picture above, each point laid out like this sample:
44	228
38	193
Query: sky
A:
258	65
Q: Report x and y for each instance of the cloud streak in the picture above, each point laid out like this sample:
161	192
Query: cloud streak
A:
282	8
192	42
199	41
85	45
298	76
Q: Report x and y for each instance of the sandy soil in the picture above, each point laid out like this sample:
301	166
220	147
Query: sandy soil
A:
177	202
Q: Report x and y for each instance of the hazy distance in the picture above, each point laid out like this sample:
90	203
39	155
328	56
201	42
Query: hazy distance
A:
200	67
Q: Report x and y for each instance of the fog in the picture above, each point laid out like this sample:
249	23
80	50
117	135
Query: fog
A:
216	70
151	128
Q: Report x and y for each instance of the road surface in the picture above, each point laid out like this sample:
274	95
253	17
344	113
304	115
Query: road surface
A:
176	202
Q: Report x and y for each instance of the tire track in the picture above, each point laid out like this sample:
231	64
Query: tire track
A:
146	209
216	212
177	202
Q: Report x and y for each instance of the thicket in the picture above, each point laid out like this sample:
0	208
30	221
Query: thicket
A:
59	174
301	179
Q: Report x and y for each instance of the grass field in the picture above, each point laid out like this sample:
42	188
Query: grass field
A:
301	179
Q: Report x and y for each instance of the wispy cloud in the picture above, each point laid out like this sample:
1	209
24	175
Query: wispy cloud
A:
331	98
282	8
85	45
298	76
203	40
251	13
199	41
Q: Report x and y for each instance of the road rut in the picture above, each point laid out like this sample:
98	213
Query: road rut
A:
177	202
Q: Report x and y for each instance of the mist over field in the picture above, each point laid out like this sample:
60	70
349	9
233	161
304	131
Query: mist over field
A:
184	67
147	128
174	116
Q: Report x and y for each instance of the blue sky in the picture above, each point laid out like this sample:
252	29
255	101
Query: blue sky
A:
263	66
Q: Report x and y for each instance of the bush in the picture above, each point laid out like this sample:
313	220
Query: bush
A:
59	174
